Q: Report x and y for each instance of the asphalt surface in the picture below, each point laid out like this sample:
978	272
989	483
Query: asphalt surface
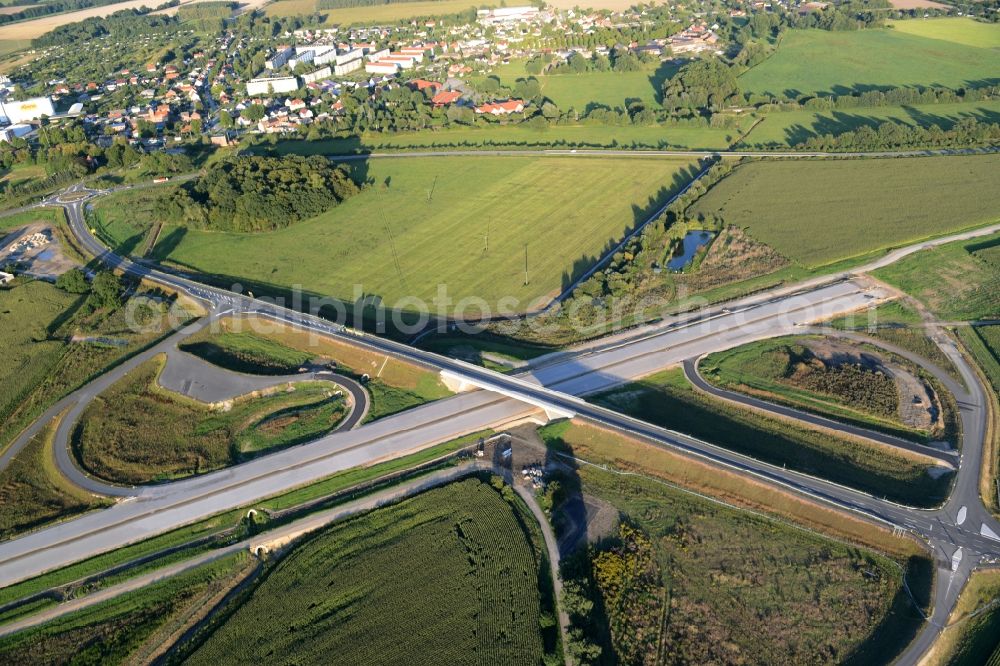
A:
960	533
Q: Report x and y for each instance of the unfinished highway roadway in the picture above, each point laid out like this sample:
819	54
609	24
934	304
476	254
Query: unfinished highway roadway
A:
961	533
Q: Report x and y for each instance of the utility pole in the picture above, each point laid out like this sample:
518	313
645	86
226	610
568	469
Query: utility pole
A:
486	246
526	264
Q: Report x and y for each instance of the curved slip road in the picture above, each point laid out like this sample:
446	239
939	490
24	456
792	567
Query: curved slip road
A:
188	375
949	458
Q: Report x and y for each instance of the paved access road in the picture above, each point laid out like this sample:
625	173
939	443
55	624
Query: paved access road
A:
960	533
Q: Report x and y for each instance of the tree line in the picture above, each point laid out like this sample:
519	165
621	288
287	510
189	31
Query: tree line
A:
255	193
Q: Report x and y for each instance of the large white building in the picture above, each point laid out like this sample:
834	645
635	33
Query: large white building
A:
28	109
277	84
382	67
279	59
318	75
507	14
348	67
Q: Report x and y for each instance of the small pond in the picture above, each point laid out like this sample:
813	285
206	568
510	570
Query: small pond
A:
693	241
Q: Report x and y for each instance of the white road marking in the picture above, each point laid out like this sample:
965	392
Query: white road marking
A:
988	533
961	515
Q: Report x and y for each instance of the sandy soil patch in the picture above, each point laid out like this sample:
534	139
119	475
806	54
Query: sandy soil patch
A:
40	26
35	250
917	4
14	9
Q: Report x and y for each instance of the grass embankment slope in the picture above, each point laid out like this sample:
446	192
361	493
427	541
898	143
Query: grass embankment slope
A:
452	575
33	492
957	281
820	61
432	217
817	213
266	347
897	323
133	626
742	587
668	400
136	432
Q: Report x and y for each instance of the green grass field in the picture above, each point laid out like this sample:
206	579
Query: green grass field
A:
450	576
819	61
136	432
667	399
957	281
425	222
608	88
28	313
817	213
958	30
725	570
789	128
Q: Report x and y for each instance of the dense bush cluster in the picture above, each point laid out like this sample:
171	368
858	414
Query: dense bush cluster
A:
890	134
872	391
253	193
122	26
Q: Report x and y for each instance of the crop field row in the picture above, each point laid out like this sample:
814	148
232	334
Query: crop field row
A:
817	213
453	575
131	626
668	400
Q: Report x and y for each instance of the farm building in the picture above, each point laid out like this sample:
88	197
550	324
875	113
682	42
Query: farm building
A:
502	108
